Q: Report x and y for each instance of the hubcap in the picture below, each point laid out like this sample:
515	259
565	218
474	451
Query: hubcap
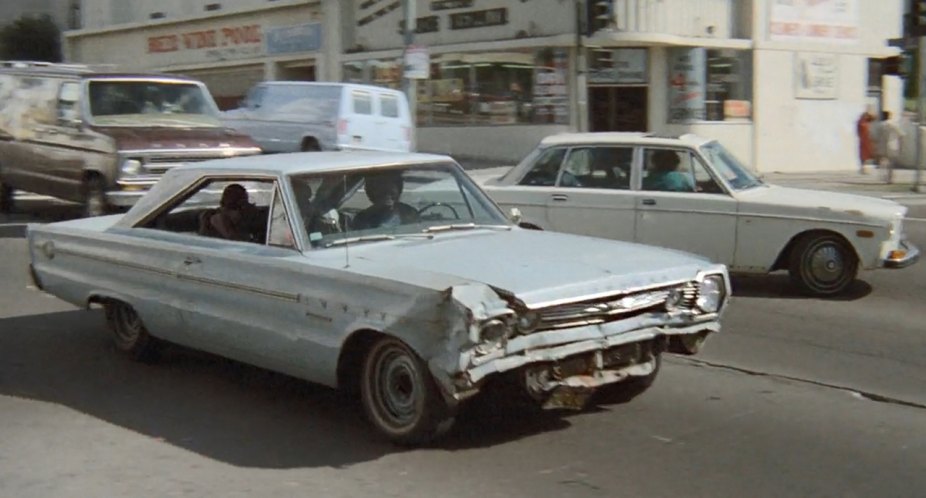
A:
397	388
827	264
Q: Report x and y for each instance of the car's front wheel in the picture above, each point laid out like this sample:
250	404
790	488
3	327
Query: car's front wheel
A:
399	396
628	389
822	264
129	333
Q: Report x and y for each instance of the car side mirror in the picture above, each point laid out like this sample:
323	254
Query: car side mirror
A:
514	214
331	219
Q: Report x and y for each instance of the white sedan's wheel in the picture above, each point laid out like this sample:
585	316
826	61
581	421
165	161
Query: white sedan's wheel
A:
129	333
399	395
822	264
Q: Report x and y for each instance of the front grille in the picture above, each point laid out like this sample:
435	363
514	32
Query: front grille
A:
615	307
160	164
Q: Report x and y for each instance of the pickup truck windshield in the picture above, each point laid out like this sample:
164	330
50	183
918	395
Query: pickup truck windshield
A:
151	103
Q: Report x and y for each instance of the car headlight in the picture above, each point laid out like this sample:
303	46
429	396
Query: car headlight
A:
131	167
492	335
528	321
710	294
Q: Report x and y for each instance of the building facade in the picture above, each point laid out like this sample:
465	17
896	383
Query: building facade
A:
780	82
65	13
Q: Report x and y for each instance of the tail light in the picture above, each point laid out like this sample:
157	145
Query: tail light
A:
342	127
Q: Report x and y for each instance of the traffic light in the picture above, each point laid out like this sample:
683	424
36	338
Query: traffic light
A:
601	15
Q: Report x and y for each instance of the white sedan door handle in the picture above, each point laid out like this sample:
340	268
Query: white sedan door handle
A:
649	202
560	197
192	260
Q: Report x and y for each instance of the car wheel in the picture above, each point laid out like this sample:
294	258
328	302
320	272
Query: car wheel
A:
625	391
399	396
822	265
94	197
129	333
6	198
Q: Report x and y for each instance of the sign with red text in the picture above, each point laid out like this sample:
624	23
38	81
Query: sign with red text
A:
226	42
834	21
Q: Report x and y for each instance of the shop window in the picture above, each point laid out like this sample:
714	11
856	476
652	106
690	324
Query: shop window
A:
353	72
709	85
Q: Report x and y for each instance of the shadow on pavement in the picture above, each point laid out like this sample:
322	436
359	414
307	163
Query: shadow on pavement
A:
779	286
221	409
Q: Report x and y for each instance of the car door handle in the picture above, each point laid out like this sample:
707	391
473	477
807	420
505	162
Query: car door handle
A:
649	202
192	260
560	197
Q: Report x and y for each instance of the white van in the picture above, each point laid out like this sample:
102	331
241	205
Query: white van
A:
292	116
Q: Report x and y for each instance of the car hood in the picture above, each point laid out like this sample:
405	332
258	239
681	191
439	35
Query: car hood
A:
169	138
537	267
773	199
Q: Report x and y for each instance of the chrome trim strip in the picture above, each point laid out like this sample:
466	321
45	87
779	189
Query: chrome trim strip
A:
285	296
219	152
807	218
616	293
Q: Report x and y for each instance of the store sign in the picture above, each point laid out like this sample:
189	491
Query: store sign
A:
417	63
479	19
551	93
687	77
427	24
816	75
293	39
451	4
229	36
814	20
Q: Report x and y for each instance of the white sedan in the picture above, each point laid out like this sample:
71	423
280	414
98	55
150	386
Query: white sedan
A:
690	193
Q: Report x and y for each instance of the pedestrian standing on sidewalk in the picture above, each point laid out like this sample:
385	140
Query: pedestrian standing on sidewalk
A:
865	145
890	137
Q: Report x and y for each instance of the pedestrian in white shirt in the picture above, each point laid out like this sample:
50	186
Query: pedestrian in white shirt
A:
890	138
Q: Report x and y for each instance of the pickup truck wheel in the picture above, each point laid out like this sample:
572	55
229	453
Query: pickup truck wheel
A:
129	333
822	265
625	391
399	396
6	198
94	197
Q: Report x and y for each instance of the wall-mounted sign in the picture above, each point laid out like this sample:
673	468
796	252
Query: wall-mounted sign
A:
816	75
814	20
229	36
296	38
417	63
428	24
479	18
687	78
451	4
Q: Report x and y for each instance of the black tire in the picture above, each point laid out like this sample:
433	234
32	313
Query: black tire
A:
822	264
399	396
129	333
95	197
625	391
6	198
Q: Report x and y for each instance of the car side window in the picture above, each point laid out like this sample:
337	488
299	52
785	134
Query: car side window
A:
389	106
280	232
221	208
598	167
363	102
544	171
667	170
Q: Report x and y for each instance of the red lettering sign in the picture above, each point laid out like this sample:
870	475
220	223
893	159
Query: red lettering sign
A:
160	44
241	35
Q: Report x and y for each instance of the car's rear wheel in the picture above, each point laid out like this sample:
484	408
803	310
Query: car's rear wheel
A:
822	264
399	396
129	333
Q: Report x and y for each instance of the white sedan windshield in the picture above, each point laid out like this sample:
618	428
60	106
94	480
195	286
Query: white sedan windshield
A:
726	165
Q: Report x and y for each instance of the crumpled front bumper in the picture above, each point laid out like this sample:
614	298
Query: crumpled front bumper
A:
906	255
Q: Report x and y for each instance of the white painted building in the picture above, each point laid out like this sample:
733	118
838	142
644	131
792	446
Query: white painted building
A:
780	82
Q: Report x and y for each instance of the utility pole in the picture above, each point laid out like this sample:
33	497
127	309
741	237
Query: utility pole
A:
920	110
410	85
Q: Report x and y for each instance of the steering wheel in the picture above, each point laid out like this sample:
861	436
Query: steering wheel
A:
438	204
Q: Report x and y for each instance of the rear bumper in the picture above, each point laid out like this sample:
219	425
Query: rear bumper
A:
903	257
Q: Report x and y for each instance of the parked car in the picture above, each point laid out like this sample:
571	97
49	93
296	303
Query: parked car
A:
293	116
392	274
102	138
691	193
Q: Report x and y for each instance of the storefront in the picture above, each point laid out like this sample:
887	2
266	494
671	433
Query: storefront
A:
229	52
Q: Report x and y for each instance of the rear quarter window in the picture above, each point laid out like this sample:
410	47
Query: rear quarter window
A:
389	106
363	102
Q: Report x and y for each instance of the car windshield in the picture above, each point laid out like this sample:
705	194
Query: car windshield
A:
411	201
151	103
728	166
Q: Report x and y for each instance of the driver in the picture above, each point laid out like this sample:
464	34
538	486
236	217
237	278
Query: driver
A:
383	190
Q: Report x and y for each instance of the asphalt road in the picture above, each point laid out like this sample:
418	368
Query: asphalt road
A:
796	397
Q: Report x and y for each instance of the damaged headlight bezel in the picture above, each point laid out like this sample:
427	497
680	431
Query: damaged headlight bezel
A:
712	292
493	334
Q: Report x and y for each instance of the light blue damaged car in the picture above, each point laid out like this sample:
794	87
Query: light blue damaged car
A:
390	274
